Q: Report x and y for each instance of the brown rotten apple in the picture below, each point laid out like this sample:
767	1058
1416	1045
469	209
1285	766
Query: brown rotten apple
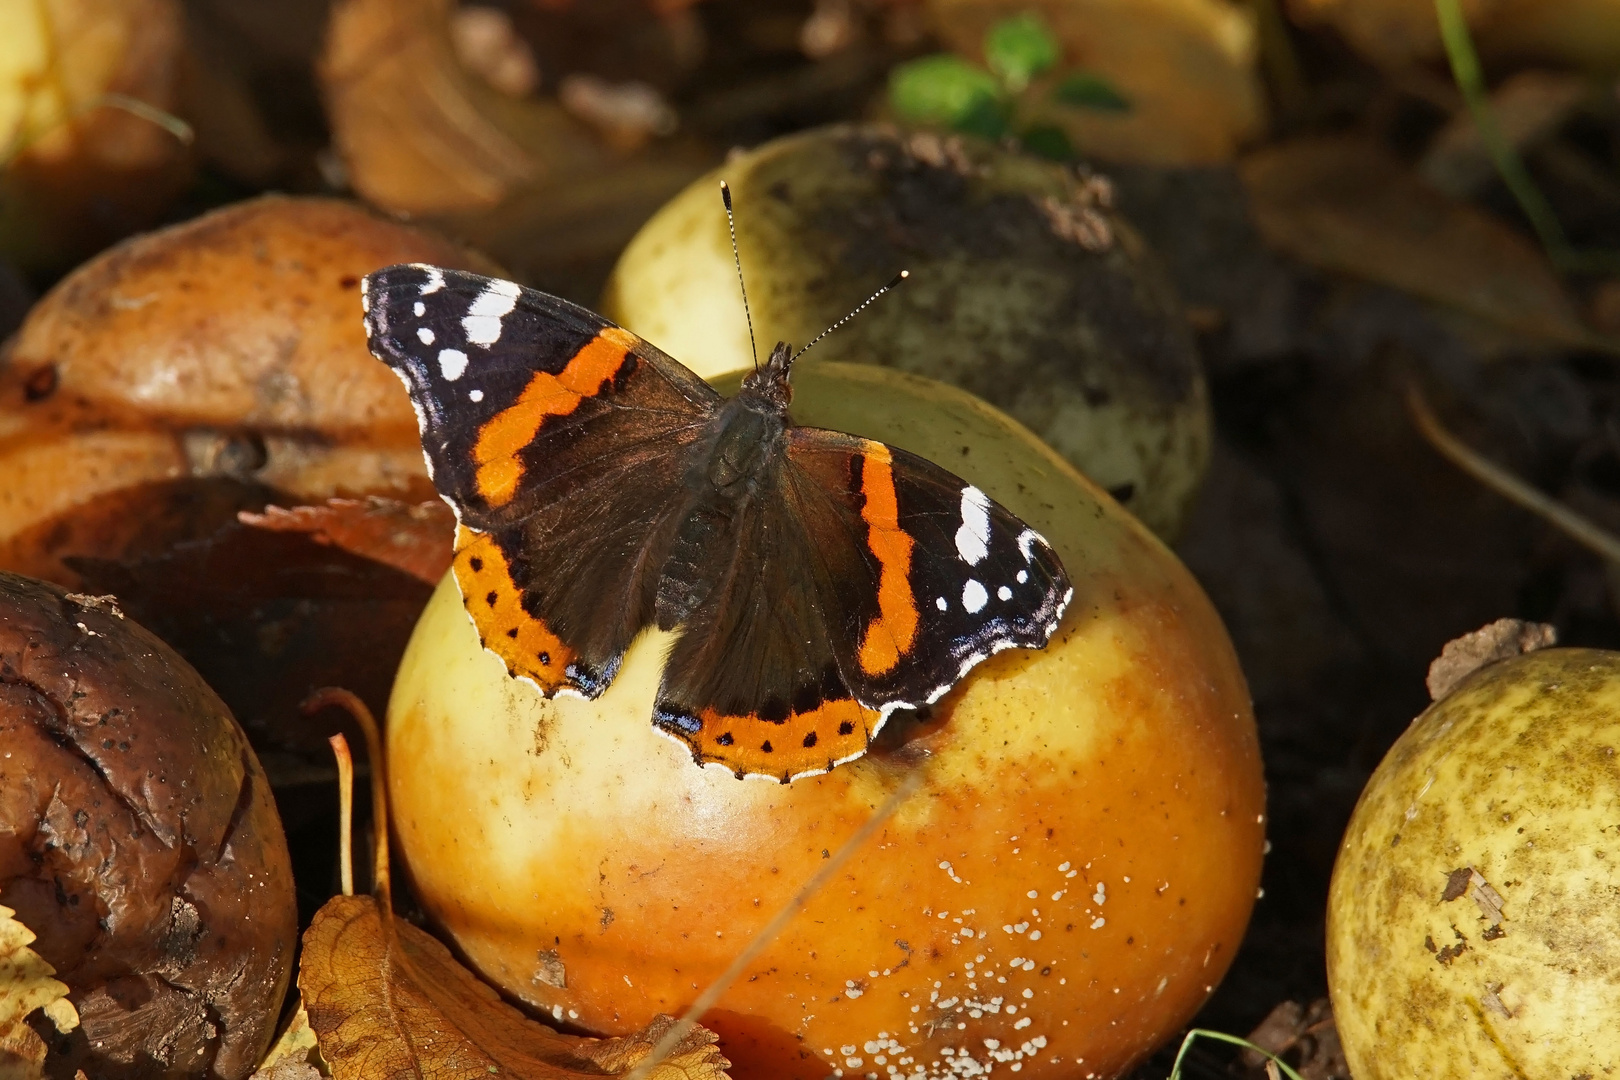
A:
139	841
1064	890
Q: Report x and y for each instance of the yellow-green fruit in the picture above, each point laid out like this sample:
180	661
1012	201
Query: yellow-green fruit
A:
1026	289
1064	890
1474	918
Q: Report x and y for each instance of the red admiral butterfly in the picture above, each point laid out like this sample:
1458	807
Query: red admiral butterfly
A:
820	581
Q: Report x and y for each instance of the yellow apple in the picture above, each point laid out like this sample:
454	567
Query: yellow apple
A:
1472	927
1065	889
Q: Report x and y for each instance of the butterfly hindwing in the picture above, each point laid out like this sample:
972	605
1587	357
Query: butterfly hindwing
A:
754	682
828	618
561	441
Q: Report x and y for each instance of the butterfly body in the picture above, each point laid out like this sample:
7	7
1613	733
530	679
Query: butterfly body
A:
817	581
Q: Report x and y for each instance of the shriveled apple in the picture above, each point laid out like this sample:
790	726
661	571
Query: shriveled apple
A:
1471	923
1065	889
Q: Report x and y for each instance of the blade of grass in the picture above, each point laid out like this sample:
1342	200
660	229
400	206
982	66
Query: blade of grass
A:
1470	77
1221	1036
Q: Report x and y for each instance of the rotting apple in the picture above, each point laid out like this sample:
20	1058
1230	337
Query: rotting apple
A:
224	348
1065	890
1471	922
1027	288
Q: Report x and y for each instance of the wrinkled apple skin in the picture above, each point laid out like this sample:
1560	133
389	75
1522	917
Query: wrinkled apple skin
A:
1515	773
1093	813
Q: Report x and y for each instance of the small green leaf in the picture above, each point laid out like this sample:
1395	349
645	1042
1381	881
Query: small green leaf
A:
1048	141
1020	48
940	89
1088	91
988	118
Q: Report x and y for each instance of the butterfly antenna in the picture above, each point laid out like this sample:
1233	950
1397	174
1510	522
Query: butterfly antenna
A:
731	223
897	279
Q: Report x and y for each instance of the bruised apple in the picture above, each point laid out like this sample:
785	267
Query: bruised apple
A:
1063	891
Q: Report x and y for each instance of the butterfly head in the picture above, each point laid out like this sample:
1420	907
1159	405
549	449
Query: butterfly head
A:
768	385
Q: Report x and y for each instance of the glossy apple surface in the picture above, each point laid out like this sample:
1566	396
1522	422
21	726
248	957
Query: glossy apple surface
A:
1065	889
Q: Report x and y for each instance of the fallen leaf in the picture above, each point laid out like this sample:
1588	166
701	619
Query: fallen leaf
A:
417	538
26	984
1308	1034
1344	203
1500	640
295	1055
1528	107
388	1000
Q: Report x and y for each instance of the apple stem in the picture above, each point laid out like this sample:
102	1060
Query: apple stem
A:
349	702
768	933
345	768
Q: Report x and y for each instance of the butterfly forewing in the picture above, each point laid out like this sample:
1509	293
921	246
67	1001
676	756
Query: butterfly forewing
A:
561	440
954	576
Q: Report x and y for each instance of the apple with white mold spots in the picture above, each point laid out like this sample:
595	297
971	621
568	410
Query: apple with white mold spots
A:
1064	890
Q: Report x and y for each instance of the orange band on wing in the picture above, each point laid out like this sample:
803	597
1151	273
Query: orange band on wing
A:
807	742
505	434
495	602
890	633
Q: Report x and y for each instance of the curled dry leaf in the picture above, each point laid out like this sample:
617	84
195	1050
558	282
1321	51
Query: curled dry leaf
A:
26	984
523	180
1187	68
419	133
139	840
1500	640
82	167
414	537
1346	204
226	349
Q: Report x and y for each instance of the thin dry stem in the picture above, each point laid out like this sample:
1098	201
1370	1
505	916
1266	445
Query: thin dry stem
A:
345	768
779	921
1577	527
337	697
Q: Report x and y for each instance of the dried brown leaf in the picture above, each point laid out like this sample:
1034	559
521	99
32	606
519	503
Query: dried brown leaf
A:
1346	204
414	537
26	984
1500	640
386	999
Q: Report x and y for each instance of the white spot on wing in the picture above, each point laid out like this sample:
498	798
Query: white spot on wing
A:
482	323
1004	593
943	604
974	597
973	535
1023	576
452	362
419	309
1026	543
435	279
424	335
475	395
